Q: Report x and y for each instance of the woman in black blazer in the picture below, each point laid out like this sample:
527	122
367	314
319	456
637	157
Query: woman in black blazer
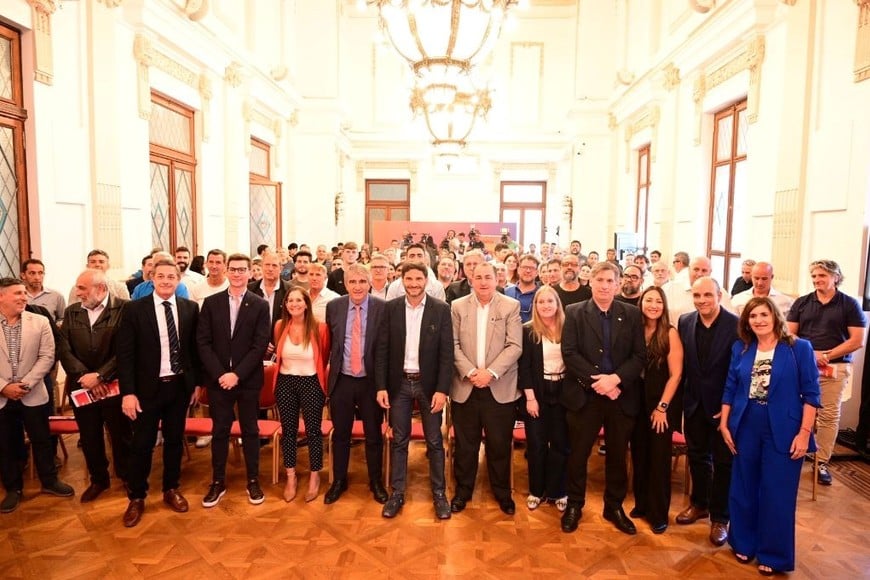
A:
541	371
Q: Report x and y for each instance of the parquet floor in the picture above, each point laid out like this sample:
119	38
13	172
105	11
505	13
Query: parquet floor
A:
49	537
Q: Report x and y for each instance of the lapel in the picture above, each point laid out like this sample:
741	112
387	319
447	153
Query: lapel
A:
490	326
425	322
781	353
341	327
27	334
370	322
691	343
103	315
151	316
594	322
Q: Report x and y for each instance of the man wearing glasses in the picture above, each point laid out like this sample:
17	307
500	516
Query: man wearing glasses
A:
380	269
569	289
632	278
526	287
232	337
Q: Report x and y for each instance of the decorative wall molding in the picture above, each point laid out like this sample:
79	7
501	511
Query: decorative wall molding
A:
146	57
108	220
380	166
250	114
862	44
233	74
750	58
205	94
670	77
196	9
785	251
43	60
647	118
111	3
702	6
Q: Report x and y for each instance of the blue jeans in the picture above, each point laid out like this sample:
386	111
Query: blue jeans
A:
401	407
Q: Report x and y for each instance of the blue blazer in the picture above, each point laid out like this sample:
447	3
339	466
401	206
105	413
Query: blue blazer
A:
336	320
703	384
794	382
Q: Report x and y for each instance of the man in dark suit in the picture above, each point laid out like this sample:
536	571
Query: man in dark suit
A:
460	288
604	352
707	335
158	373
414	363
232	337
271	288
355	322
88	354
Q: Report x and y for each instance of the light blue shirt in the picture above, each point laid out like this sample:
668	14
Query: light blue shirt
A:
146	288
348	335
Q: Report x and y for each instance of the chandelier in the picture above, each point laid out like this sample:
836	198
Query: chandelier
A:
443	41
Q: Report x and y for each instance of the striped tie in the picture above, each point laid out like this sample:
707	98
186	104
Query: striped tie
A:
174	352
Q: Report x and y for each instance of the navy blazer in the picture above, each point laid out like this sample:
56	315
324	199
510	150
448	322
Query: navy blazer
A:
138	349
435	354
794	382
582	341
703	385
336	320
242	352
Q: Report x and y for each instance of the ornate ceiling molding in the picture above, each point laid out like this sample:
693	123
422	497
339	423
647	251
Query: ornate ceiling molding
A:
750	58
646	118
862	44
146	57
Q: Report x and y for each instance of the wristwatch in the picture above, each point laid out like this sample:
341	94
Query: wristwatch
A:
663	406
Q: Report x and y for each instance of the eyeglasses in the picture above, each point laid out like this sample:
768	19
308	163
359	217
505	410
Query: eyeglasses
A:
634	277
240	270
528	267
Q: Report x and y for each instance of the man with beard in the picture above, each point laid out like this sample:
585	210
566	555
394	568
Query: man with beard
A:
570	290
301	263
446	271
526	288
632	278
188	276
99	260
417	255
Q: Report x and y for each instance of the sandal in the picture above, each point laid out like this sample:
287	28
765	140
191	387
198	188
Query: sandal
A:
562	503
532	502
742	558
766	570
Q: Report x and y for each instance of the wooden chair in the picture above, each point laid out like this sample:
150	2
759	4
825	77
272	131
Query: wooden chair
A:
680	449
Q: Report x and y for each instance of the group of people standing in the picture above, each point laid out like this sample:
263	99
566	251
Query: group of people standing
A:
573	366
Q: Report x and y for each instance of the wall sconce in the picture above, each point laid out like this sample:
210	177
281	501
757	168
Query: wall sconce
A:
568	210
339	206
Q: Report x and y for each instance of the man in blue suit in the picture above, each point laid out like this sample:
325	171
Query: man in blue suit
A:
232	337
707	335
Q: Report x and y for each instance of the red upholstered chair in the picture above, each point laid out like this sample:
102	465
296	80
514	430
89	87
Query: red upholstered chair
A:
679	448
59	425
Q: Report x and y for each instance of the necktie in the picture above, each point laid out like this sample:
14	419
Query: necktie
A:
234	312
356	342
174	353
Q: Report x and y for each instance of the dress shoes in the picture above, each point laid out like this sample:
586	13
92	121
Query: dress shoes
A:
718	533
313	487
378	491
507	506
442	506
659	528
621	521
571	517
458	504
175	501
692	514
216	490
93	492
134	512
338	487
637	513
393	505
58	488
10	502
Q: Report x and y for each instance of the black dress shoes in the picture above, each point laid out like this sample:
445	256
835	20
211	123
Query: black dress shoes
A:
442	506
620	520
458	504
338	487
659	528
393	505
507	506
637	513
93	492
571	517
378	491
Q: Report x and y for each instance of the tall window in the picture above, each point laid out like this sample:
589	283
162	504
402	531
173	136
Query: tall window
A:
265	199
173	182
14	230
387	200
728	192
643	184
524	203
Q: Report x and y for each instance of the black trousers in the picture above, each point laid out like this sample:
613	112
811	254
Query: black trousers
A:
651	470
91	419
481	413
167	413
709	464
547	455
222	404
349	395
583	427
35	420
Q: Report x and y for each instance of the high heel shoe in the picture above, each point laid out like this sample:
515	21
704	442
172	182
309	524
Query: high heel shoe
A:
290	488
313	482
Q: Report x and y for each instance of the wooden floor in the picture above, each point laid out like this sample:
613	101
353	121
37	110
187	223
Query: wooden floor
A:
50	537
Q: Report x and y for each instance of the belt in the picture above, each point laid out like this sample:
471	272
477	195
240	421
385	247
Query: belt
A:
761	402
554	377
170	378
411	376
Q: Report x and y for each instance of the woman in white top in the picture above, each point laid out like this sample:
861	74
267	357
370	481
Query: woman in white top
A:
302	353
541	371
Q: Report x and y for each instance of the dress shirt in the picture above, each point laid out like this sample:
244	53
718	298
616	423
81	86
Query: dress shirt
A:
348	332
160	311
94	313
413	320
434	288
270	296
607	366
12	334
482	327
51	300
318	305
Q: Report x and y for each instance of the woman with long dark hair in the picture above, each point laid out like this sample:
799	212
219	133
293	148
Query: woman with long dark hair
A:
768	409
654	428
302	353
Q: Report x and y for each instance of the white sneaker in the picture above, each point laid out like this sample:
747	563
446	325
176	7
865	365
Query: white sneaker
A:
202	442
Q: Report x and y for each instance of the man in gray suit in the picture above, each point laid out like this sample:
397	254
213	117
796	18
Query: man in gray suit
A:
487	340
26	356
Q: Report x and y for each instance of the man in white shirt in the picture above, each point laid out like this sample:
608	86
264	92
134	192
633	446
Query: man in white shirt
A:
417	254
320	294
216	281
379	267
762	276
680	299
188	277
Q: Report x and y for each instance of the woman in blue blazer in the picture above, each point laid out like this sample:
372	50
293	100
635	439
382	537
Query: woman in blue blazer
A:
768	410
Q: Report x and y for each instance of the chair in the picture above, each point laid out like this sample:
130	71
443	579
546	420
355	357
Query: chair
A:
357	433
58	425
678	449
